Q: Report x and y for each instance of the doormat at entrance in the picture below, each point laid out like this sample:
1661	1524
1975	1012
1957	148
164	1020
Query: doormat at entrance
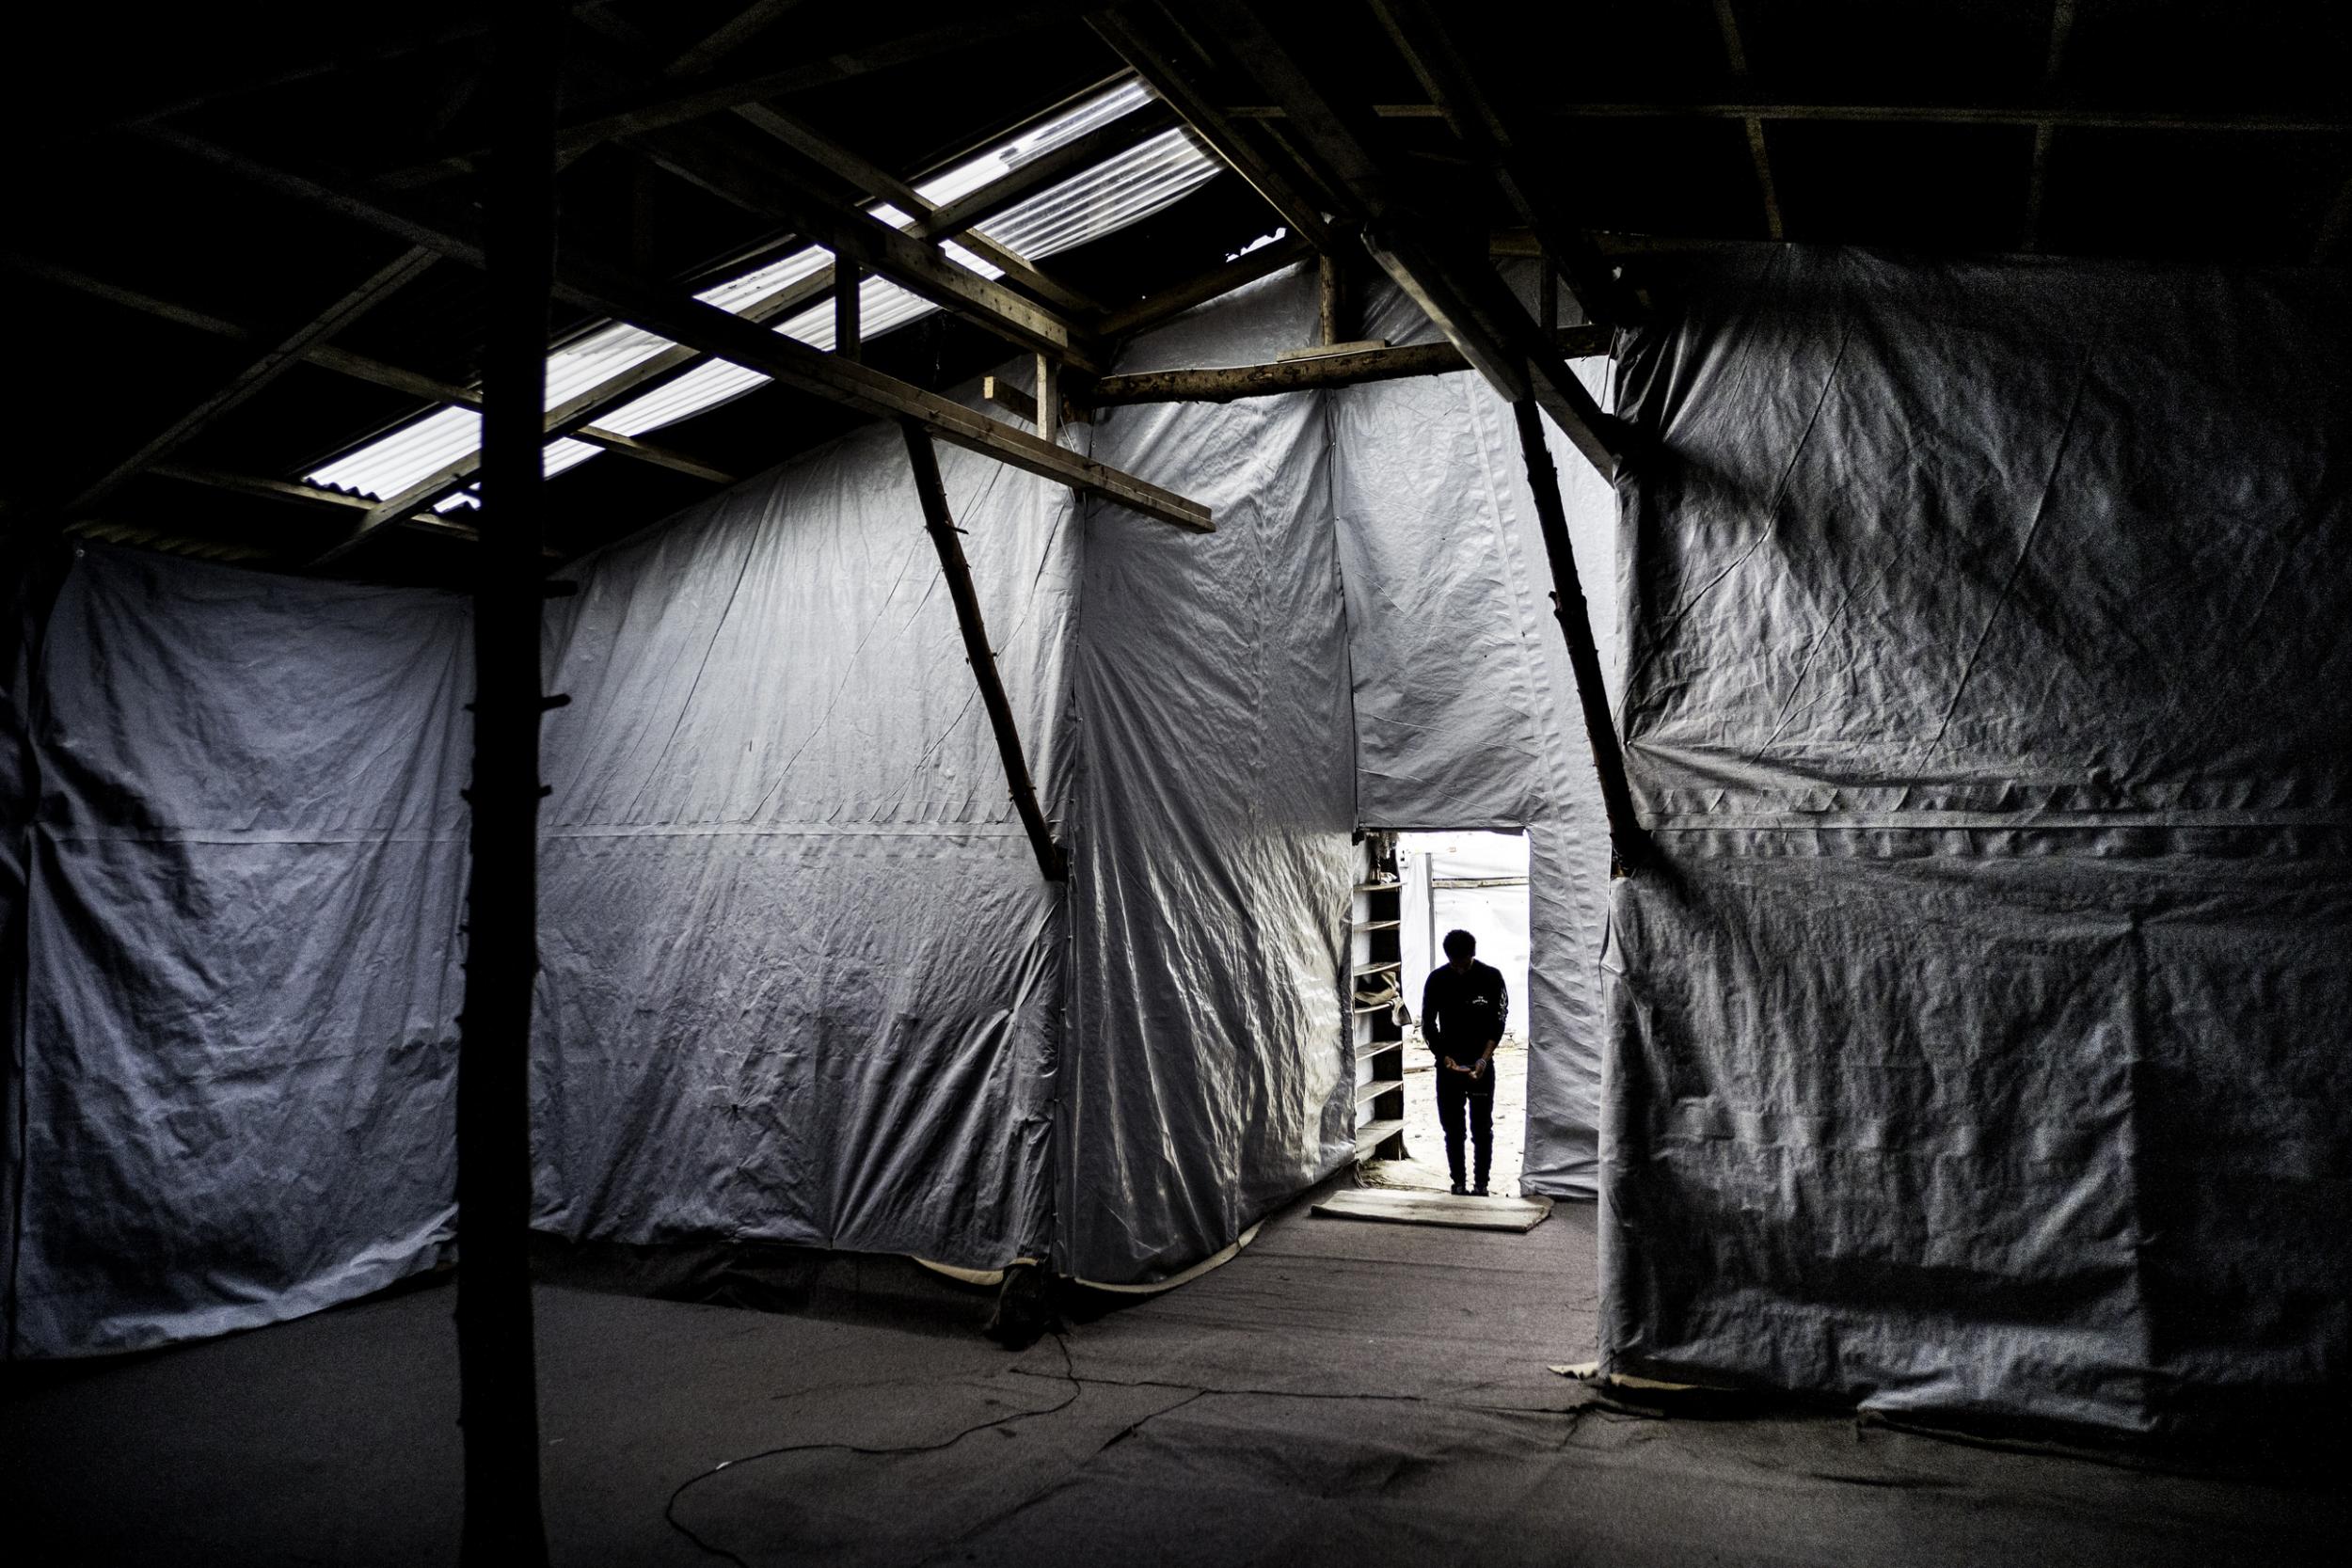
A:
1398	1206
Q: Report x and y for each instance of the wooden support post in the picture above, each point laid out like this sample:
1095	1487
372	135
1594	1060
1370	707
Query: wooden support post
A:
1331	300
496	1348
1048	399
1050	858
848	339
1629	845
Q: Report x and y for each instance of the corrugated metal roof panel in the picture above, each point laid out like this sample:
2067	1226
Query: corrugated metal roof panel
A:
1097	201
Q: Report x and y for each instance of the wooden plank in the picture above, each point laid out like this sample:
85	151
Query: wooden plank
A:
731	35
1020	273
1215	283
1529	182
776	183
359	366
1100	144
1453	284
2065	116
1736	54
1354	368
1174	73
677	100
1371	1136
2045	133
1326	350
1406	1206
264	369
1375	1089
656	308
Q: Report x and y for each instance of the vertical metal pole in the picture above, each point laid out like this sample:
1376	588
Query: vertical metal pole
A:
1629	847
497	1366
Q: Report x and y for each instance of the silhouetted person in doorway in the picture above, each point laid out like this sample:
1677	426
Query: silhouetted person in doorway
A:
1463	1005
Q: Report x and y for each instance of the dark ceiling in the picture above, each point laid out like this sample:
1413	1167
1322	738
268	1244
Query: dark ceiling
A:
2188	131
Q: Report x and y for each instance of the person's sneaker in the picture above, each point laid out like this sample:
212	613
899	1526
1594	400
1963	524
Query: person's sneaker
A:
1479	1191
1460	1191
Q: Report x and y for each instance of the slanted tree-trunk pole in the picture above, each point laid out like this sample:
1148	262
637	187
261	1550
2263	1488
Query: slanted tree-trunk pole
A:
1629	845
497	1362
1228	383
1050	858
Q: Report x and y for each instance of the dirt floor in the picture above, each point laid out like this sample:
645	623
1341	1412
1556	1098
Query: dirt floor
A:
1341	1393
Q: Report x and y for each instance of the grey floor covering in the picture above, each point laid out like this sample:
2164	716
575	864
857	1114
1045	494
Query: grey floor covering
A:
1341	1393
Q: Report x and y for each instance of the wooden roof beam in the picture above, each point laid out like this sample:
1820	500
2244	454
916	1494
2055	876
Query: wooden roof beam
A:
1455	285
2045	133
677	102
1145	42
1736	55
873	182
657	308
1215	283
1486	133
359	366
264	368
773	182
2065	116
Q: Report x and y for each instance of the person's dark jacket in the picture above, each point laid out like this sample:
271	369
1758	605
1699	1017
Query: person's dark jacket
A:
1463	1009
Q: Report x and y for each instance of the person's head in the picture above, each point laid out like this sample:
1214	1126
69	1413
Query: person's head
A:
1460	948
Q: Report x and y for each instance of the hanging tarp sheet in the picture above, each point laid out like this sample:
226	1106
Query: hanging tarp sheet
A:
1207	1076
1466	710
802	973
1980	1044
240	972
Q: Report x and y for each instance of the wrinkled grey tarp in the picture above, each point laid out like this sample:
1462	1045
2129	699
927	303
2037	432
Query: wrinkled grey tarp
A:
1207	1076
1465	711
802	978
1981	1043
240	949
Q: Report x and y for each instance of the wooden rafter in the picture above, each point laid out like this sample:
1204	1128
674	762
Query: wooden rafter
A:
1736	56
1145	42
1453	282
677	102
359	367
2064	116
872	182
773	182
657	308
265	366
1217	282
1486	133
2044	131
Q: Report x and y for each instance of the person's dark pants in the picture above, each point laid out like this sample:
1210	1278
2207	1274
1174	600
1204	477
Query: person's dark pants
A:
1456	1092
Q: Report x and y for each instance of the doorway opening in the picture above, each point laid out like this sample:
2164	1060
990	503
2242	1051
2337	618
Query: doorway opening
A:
1475	881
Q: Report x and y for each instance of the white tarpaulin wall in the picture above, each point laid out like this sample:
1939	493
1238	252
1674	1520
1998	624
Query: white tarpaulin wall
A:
1981	1043
801	981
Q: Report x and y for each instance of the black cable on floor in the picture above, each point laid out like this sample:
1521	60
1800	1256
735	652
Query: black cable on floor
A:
669	1510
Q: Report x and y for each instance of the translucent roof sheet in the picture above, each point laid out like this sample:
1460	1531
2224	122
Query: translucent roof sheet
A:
1100	201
